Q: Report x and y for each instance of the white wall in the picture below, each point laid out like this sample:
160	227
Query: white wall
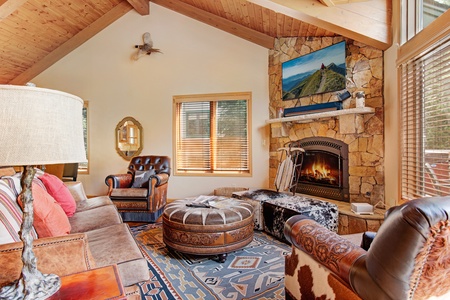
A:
196	59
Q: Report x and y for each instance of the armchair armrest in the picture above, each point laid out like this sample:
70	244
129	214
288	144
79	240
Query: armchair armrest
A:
161	178
60	255
326	247
116	181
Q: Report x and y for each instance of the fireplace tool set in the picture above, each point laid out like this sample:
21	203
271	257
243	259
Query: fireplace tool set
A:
288	172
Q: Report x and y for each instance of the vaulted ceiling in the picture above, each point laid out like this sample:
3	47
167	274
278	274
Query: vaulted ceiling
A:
34	34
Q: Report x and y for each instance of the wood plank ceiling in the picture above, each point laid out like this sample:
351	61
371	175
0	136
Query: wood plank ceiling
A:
34	34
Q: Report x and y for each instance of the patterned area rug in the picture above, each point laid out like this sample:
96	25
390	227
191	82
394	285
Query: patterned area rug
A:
255	272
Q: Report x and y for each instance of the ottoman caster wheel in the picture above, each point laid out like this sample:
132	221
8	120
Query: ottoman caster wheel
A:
222	258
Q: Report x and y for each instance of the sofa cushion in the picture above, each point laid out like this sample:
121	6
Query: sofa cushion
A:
141	178
127	255
95	218
10	215
93	203
49	218
129	194
57	189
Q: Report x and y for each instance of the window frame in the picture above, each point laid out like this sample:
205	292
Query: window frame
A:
82	170
417	48
215	97
412	19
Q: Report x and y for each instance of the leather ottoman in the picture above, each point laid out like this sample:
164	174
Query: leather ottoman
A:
208	225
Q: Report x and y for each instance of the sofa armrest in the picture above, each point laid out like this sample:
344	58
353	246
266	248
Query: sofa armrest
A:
61	255
326	247
116	181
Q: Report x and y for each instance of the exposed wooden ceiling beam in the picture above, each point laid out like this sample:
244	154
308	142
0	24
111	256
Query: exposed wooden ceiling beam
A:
7	7
337	2
77	40
342	20
327	2
246	33
141	6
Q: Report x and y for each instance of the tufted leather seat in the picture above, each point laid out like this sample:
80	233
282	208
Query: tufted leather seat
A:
144	202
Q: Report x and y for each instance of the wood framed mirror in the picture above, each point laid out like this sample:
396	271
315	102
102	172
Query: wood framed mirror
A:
128	138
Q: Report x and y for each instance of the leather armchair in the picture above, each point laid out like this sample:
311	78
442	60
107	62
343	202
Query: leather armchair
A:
409	257
143	202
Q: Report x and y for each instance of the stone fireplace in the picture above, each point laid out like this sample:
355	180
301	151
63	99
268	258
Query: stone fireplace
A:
324	169
361	134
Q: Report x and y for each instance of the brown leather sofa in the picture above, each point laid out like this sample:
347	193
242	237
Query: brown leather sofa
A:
409	257
141	201
98	238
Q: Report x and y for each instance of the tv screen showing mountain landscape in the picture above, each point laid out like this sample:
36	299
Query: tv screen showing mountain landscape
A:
318	72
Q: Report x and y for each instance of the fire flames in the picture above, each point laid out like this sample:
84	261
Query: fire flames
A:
319	171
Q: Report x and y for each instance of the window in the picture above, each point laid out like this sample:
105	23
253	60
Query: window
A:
418	14
83	168
425	93
212	134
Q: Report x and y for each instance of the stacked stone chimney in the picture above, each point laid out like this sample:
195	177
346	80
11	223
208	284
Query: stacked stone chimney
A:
364	133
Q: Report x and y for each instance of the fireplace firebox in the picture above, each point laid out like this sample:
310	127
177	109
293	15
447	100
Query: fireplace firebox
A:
324	171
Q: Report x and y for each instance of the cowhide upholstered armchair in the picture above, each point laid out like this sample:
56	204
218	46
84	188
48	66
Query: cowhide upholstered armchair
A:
141	194
409	257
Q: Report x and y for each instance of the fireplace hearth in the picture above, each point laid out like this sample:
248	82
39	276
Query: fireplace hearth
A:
324	171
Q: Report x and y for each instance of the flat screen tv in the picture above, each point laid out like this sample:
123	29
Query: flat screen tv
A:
318	72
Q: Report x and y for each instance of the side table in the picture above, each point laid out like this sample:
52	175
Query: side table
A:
96	284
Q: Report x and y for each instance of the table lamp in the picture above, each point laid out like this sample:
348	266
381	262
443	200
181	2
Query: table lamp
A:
39	127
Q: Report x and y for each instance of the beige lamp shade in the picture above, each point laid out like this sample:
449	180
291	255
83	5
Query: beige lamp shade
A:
40	126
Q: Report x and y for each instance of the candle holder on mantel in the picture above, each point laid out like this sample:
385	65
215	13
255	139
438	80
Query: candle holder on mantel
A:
360	100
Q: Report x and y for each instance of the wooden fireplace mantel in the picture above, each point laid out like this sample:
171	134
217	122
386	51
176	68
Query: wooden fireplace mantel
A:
307	118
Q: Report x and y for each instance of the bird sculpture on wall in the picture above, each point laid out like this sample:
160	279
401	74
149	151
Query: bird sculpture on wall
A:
146	48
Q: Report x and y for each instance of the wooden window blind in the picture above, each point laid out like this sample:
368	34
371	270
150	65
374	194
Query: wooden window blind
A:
212	134
425	96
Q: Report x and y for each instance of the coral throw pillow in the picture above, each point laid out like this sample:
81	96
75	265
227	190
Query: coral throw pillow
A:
56	188
49	218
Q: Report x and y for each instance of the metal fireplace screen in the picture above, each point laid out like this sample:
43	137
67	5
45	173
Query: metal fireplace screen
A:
324	171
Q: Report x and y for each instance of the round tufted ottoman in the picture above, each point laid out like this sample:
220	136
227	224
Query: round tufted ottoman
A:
208	225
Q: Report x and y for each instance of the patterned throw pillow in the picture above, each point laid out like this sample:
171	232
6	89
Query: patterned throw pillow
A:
141	178
14	181
10	215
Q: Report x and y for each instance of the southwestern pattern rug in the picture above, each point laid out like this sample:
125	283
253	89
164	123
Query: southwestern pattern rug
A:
254	272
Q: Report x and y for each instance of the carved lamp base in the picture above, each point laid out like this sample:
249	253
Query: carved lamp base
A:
39	287
32	284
